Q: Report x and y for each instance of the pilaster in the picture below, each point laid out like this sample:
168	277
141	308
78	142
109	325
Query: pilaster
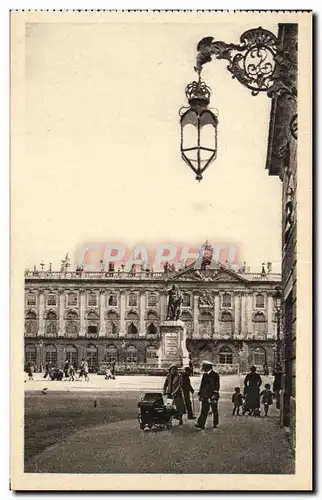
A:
41	313
102	298
82	297
61	298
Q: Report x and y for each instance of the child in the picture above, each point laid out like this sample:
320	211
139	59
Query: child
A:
267	398
71	373
237	400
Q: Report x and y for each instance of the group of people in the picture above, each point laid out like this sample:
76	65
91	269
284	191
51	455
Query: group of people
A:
251	400
178	388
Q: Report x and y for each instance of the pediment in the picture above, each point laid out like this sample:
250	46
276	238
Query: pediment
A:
220	274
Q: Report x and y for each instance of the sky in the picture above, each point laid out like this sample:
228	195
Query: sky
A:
102	144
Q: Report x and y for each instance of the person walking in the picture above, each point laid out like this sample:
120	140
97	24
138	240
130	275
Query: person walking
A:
267	398
187	389
208	395
252	383
173	389
237	400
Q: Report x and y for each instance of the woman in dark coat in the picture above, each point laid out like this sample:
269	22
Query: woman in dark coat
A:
173	389
252	384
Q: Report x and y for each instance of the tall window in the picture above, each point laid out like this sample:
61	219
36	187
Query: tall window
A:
51	326
186	301
112	300
52	299
259	324
187	319
205	324
260	301
132	329
72	323
131	354
31	299
51	355
30	353
152	329
71	355
133	300
92	300
227	323
152	299
225	356
206	353
112	322
151	354
259	356
92	323
111	354
31	324
226	300
72	299
92	358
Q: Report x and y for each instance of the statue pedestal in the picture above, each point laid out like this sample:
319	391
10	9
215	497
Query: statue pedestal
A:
173	348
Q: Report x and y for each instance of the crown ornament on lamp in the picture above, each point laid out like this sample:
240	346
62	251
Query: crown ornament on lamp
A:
198	128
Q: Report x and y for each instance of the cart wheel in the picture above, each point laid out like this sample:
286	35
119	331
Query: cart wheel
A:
142	426
169	425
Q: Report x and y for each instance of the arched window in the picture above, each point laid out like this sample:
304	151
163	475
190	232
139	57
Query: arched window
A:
133	300
111	354
51	354
72	323
51	324
205	353
152	329
259	324
226	323
260	301
71	355
225	356
31	324
132	329
187	319
92	358
151	354
30	353
205	324
152	299
226	300
258	356
131	354
92	323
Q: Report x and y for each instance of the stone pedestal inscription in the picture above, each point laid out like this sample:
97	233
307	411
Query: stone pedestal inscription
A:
173	348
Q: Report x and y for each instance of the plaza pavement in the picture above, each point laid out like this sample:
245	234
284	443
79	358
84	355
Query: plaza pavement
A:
240	445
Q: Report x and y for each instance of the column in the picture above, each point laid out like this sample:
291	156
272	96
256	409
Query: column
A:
195	316
102	299
216	313
270	327
61	330
41	330
142	331
236	314
122	314
82	297
250	314
243	307
163	306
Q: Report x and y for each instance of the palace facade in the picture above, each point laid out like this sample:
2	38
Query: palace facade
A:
115	316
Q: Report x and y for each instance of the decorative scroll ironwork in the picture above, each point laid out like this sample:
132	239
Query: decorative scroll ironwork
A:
258	62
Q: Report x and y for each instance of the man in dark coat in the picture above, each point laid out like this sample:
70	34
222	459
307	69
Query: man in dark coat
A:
208	395
252	384
187	389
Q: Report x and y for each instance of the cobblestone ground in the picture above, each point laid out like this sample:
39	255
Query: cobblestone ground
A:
95	431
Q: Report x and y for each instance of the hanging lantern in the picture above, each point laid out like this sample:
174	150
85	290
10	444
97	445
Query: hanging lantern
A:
198	129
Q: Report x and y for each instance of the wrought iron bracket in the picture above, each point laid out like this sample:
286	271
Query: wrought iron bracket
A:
258	62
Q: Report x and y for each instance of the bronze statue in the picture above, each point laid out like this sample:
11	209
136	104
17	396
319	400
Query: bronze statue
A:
174	303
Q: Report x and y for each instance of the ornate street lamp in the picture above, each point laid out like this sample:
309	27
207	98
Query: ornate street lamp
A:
260	64
198	129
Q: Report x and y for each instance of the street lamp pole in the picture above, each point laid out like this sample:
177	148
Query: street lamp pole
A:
278	371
